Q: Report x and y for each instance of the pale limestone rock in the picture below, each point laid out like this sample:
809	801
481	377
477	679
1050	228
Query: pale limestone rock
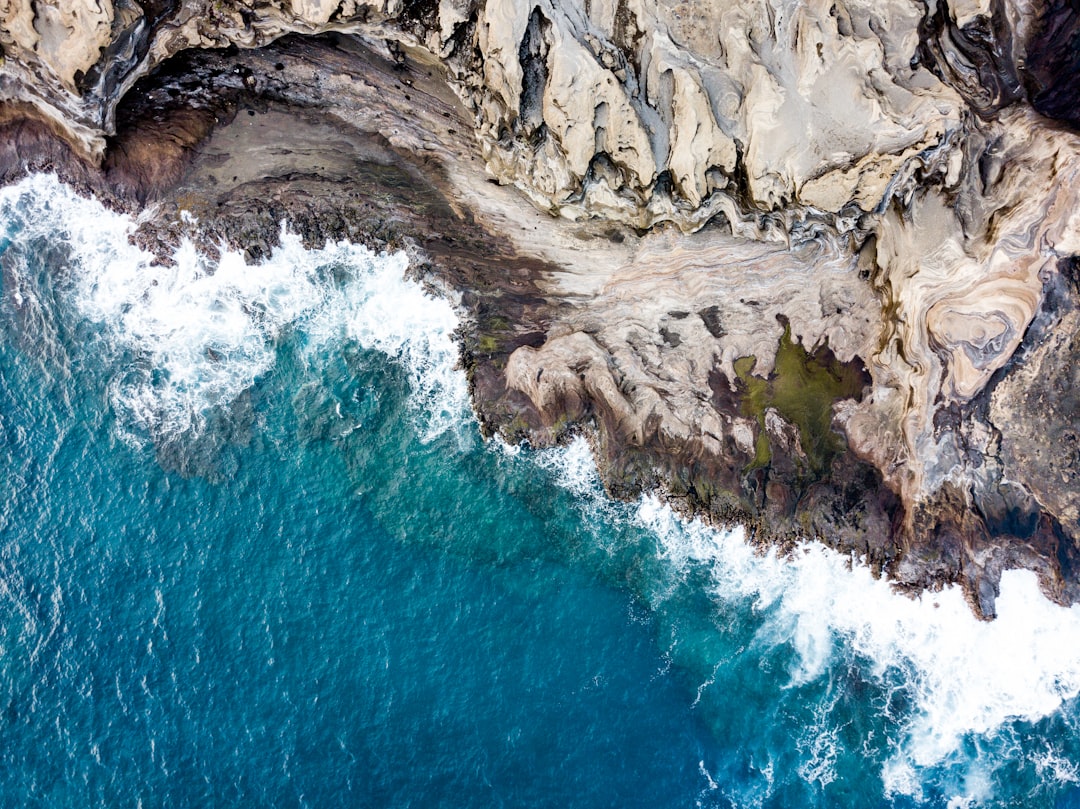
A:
452	13
965	12
770	181
314	12
820	96
964	300
18	23
698	144
646	351
580	95
501	29
68	37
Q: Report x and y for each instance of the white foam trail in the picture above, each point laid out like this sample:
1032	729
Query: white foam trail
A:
967	676
964	676
1050	763
195	335
574	469
399	318
820	746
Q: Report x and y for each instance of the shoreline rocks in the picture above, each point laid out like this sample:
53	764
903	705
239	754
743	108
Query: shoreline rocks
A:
804	266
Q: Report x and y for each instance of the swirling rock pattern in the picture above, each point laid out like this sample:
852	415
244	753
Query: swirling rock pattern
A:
872	203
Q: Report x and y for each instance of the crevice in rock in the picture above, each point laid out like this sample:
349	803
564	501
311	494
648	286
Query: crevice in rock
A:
532	56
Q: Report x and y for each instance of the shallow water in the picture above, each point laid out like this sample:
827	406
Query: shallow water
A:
253	552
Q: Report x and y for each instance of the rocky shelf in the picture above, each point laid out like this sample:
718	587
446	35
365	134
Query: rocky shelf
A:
806	266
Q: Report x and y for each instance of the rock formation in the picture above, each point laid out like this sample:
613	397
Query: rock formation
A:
807	265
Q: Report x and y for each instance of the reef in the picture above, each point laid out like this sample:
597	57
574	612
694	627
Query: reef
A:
806	266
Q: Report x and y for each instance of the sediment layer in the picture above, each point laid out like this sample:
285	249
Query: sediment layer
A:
806	266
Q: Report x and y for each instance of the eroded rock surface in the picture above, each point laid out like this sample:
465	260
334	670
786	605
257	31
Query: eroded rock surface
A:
808	265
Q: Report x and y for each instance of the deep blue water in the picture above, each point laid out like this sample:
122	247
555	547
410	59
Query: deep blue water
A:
253	552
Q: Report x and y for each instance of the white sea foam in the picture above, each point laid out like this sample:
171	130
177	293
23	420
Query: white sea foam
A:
195	335
963	677
575	470
966	676
820	745
1050	763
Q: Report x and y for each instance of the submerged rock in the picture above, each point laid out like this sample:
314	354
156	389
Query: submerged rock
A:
806	265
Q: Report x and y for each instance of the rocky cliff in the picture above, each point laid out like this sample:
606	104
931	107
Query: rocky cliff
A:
806	265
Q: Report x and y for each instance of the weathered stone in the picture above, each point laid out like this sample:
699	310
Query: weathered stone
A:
874	179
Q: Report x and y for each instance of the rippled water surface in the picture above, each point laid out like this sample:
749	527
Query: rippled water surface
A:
253	552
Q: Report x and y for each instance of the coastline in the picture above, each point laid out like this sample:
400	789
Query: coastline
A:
681	375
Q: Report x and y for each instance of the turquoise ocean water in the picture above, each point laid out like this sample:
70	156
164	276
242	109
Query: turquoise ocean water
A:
253	552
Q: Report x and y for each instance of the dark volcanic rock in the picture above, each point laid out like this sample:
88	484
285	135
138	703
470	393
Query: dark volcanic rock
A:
1053	61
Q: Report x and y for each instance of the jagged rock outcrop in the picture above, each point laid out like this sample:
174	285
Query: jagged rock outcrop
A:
810	264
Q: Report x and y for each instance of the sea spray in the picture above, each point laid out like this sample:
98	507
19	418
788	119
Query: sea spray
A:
194	334
964	678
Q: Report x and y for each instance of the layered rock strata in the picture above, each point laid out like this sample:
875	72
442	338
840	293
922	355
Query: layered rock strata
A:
805	265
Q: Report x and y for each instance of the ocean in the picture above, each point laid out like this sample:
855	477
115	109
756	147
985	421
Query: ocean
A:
254	552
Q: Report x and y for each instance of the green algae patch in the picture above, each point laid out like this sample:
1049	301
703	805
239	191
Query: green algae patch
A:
802	388
487	344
